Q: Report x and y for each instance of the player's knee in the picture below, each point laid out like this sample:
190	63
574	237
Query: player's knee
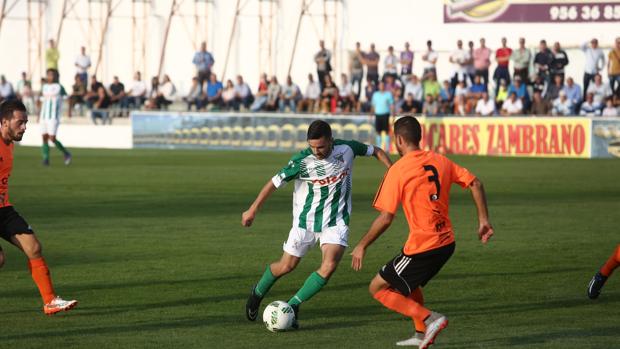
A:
33	250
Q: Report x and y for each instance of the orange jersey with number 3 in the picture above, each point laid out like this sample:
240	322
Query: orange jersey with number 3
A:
420	181
6	165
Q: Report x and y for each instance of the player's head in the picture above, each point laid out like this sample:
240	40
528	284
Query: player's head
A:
13	119
408	133
320	139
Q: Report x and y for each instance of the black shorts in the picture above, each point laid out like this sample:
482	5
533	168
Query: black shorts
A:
382	123
406	273
11	223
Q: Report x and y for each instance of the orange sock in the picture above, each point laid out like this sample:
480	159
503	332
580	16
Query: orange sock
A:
41	276
418	297
612	263
395	301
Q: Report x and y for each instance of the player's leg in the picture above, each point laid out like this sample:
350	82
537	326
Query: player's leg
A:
59	146
598	280
45	148
1	257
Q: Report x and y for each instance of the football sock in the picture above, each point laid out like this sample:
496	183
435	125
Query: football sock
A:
386	141
60	147
418	297
612	263
378	141
41	276
264	284
314	283
46	151
395	301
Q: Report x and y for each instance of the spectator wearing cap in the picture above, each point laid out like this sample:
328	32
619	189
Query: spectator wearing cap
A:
521	58
559	61
595	61
562	106
542	60
502	56
482	61
512	105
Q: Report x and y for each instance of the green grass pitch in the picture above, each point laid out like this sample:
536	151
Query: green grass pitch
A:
151	245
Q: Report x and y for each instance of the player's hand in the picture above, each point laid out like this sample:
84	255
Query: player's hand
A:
358	256
485	231
247	218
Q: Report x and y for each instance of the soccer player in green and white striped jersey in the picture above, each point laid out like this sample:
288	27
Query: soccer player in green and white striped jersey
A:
321	210
52	94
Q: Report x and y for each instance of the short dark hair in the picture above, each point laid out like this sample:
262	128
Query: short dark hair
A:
7	108
319	129
409	128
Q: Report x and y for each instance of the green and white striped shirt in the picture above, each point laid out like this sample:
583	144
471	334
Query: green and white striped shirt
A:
322	196
51	104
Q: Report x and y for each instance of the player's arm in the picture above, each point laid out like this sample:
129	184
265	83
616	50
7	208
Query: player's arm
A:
248	216
378	227
382	156
485	229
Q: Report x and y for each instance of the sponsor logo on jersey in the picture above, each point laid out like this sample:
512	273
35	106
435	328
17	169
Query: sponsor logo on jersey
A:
331	179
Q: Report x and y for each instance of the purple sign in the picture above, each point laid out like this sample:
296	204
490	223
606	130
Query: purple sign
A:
485	11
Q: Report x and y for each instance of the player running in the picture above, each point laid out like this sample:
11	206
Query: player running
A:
420	181
13	228
51	110
598	280
321	210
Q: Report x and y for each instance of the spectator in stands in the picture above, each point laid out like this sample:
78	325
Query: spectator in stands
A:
27	97
431	86
21	84
82	63
482	61
610	109
501	95
562	106
460	105
512	105
485	106
6	89
446	98
261	94
311	98
414	88
289	95
573	92
398	102
78	91
371	60
51	57
408	106
369	91
406	63
540	106
595	61
559	61
194	96
430	58
520	89
356	69
521	58
151	101
273	94
323	63
228	96
431	107
475	92
243	94
117	91
346	97
329	96
100	106
540	85
459	59
502	56
382	107
461	89
213	97
589	108
166	94
542	60
553	91
390	64
203	60
599	90
613	67
391	84
137	93
469	66
93	94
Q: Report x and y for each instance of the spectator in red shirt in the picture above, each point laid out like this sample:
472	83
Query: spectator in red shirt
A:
502	56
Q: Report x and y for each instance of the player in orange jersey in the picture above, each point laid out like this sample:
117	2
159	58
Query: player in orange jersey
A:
420	181
598	280
13	228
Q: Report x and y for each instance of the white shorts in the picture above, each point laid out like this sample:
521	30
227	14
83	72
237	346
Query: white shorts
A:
301	240
49	127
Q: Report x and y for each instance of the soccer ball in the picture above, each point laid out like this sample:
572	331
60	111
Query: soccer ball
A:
278	316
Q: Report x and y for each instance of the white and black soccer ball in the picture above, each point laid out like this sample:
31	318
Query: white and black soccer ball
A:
278	316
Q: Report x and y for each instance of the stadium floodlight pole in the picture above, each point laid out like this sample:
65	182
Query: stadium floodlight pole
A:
173	9
232	35
6	11
301	16
103	32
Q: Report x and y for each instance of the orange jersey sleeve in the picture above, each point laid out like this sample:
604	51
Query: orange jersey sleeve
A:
388	196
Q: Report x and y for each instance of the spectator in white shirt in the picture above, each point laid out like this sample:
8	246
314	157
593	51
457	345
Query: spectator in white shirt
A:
595	62
430	59
137	92
309	103
390	64
599	91
588	107
512	105
346	97
288	96
82	63
243	94
485	105
193	97
459	59
166	93
610	110
562	106
415	88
